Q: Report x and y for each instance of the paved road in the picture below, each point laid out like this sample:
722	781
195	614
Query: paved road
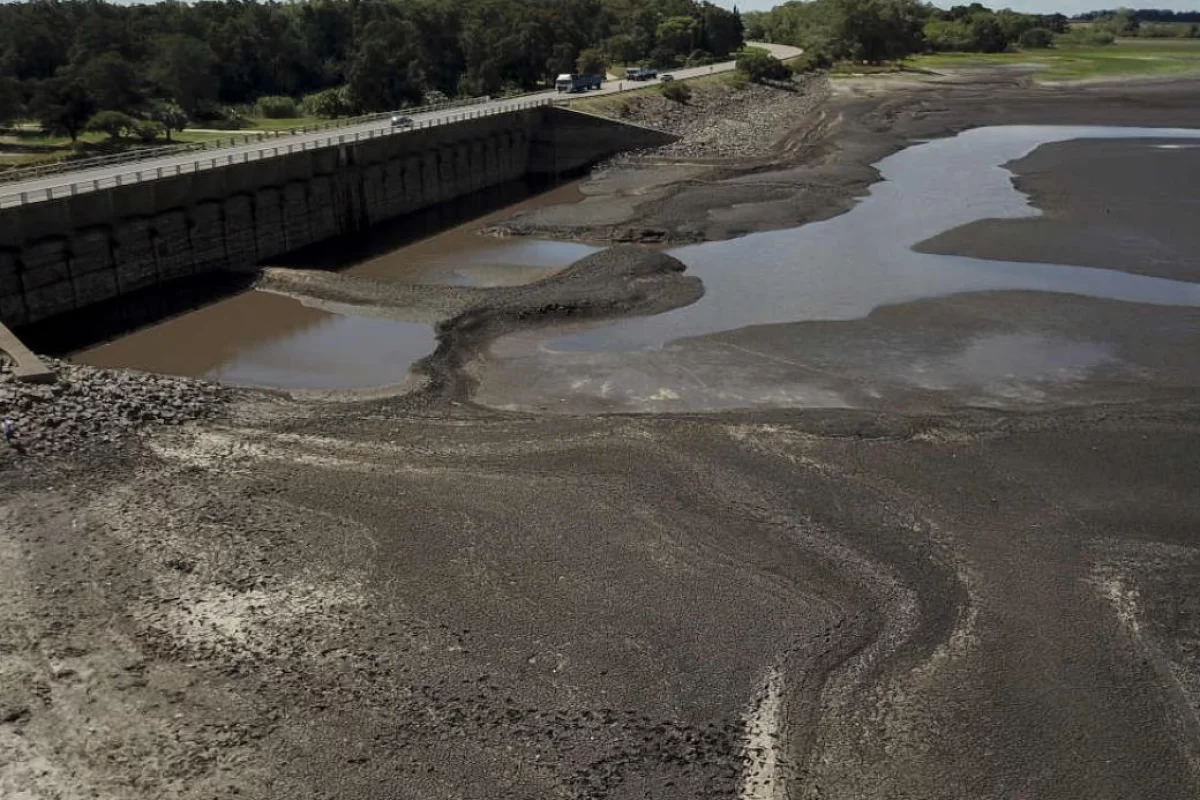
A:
59	184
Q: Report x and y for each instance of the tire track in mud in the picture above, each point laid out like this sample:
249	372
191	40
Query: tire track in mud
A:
806	664
890	642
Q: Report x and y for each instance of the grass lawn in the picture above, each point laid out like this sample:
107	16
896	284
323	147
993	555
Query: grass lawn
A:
259	124
1125	58
26	146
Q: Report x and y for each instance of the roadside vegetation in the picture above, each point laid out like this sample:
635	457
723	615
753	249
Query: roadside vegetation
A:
111	76
83	77
1067	62
874	36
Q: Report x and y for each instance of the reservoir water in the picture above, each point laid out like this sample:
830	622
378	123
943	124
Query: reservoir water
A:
839	269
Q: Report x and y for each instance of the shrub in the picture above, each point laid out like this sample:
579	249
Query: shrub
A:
739	80
115	123
591	61
1036	38
222	118
148	130
761	66
276	107
327	104
676	91
169	115
1087	36
809	61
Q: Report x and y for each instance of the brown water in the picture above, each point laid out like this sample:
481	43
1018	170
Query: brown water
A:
262	339
837	270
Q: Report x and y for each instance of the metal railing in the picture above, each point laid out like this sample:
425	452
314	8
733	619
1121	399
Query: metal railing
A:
183	166
149	153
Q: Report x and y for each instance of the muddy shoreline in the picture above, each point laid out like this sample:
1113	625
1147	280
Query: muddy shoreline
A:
417	596
821	163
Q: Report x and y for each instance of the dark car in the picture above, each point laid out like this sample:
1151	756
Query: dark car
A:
401	121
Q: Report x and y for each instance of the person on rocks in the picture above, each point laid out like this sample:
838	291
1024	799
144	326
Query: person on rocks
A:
10	430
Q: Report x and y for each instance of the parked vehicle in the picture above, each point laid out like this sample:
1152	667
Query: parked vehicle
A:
401	121
578	83
641	74
667	77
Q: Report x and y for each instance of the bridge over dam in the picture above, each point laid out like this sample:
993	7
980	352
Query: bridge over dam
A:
90	243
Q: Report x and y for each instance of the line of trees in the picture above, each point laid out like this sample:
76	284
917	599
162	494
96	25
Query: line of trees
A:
63	62
885	30
1150	24
1142	15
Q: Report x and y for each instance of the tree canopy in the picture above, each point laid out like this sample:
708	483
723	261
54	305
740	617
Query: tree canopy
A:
882	30
76	57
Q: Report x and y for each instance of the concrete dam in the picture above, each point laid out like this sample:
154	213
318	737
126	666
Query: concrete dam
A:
70	252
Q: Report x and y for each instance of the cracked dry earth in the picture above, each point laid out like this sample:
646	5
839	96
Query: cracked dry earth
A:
359	601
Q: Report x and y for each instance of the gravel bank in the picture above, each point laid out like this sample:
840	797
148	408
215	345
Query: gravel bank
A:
724	133
89	406
722	121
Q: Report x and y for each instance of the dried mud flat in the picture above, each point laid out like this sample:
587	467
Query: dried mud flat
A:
414	597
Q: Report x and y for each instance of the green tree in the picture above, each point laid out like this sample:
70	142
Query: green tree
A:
170	115
676	91
10	99
115	123
722	31
863	30
112	81
948	36
591	62
987	34
62	105
148	130
677	35
622	49
563	58
382	75
756	25
1035	38
184	68
879	30
760	66
276	107
327	103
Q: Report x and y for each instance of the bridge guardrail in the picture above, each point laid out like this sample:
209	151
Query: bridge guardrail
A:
149	153
72	188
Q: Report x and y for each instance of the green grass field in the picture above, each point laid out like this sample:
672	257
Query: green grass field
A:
260	124
27	146
1125	58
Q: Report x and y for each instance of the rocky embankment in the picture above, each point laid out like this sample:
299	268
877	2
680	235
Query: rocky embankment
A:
723	121
725	131
89	406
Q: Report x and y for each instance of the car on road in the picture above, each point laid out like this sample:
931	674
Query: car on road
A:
401	121
641	74
667	77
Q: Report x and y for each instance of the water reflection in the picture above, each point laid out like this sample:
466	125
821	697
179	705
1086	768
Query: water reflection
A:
263	339
847	266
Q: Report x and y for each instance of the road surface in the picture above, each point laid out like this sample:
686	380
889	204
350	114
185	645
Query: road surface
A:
59	184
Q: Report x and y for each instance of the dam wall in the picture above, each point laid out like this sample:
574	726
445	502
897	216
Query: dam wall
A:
70	252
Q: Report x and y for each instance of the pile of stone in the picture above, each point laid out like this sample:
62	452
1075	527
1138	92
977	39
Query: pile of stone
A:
722	121
89	406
